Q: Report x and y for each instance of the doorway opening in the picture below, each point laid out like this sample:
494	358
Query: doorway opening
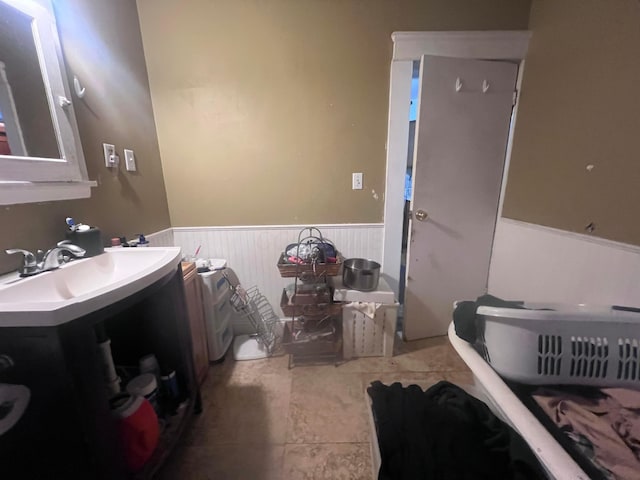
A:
408	179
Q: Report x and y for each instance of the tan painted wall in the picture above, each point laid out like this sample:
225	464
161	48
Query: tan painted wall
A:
265	108
579	105
102	44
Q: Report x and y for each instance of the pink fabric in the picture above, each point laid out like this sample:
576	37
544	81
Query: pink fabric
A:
611	422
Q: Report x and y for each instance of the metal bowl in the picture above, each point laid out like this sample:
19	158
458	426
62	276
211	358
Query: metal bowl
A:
360	274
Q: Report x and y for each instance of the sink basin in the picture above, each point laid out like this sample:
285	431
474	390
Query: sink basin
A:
13	402
82	286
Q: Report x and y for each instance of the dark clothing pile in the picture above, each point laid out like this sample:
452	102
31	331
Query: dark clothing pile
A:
444	433
466	322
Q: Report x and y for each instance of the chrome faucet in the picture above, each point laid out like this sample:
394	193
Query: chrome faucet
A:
55	257
51	260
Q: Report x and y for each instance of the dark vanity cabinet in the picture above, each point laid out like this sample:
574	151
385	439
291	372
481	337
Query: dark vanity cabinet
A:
67	431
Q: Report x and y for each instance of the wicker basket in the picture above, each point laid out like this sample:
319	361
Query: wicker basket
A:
308	270
314	309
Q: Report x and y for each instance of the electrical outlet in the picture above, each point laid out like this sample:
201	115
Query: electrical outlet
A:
356	181
110	158
129	160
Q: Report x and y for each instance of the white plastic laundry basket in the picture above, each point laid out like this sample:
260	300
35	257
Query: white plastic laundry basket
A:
368	329
566	344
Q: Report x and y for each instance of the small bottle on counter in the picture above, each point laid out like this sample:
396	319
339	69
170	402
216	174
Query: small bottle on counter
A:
142	241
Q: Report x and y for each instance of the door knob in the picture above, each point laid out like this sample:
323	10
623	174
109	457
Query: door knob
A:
421	215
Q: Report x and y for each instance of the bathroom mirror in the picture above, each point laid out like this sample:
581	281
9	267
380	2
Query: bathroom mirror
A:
39	140
25	116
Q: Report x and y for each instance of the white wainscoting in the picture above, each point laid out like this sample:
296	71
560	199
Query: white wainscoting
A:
253	251
163	238
536	263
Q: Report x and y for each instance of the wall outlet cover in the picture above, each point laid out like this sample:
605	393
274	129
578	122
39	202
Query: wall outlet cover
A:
110	157
356	181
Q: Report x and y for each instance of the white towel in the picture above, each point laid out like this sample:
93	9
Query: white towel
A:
367	308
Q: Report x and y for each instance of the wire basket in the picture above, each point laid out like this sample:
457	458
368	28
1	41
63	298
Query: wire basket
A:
254	306
312	344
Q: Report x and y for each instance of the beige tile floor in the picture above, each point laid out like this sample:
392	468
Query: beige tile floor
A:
264	421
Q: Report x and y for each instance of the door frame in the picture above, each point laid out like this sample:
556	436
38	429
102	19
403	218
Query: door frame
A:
408	47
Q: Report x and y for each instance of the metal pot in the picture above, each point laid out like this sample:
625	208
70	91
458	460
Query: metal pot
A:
360	274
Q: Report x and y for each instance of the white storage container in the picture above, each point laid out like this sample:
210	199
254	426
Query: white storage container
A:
369	321
218	341
215	285
368	329
564	344
218	318
382	294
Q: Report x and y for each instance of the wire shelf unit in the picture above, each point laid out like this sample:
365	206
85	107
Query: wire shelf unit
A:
254	306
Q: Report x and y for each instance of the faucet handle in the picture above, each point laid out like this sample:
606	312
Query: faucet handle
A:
29	263
29	258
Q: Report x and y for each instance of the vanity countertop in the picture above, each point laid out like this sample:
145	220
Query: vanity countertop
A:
82	286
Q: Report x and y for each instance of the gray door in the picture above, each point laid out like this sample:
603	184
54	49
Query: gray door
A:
462	129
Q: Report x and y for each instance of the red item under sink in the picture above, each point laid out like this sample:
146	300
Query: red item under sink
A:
138	429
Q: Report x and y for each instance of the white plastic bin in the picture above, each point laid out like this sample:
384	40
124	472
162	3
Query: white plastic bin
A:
218	318
368	321
218	340
564	344
215	285
219	329
368	329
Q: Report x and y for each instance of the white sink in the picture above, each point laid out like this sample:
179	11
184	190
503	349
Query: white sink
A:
13	402
83	286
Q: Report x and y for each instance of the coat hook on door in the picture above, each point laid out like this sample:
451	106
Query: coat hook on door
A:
64	102
485	86
458	84
77	87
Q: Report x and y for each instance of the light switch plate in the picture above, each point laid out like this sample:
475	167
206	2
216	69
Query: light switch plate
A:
129	160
